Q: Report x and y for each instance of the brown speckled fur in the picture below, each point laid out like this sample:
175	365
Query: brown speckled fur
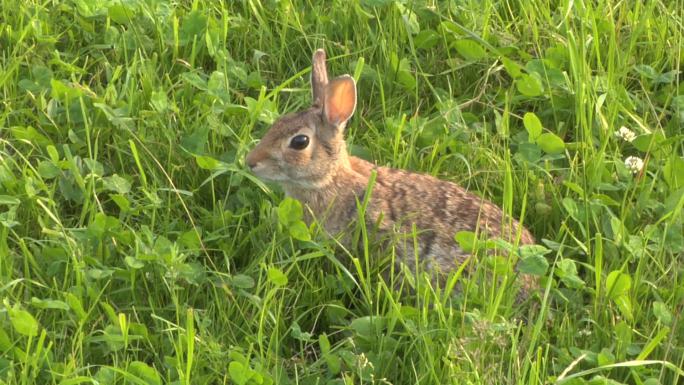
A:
329	182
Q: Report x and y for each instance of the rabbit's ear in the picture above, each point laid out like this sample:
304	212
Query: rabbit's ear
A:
340	100
319	77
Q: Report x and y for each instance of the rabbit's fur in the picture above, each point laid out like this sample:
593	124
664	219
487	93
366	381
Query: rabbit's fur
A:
330	182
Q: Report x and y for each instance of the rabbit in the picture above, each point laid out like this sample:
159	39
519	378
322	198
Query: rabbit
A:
306	153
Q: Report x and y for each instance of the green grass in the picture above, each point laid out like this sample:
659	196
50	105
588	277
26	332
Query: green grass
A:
136	249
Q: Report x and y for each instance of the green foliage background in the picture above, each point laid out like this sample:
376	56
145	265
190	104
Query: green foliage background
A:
136	249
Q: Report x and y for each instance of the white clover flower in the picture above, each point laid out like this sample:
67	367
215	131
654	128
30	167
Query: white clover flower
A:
634	164
626	134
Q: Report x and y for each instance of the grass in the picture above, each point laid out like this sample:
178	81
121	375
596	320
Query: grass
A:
136	249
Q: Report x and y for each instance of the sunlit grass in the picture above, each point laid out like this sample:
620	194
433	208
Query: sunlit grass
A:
135	247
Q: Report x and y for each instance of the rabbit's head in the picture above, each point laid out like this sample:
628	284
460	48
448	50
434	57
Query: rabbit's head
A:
305	149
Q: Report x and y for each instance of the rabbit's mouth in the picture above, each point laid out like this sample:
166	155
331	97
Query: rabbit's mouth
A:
267	174
288	182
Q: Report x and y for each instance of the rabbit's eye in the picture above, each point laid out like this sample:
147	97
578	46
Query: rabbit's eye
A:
299	142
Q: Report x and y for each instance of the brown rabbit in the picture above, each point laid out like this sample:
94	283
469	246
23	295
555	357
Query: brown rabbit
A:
305	152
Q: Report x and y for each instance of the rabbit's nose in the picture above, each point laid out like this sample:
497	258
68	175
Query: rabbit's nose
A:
252	160
251	163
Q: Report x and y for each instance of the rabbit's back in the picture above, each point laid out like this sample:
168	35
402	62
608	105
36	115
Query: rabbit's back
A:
435	210
442	206
438	209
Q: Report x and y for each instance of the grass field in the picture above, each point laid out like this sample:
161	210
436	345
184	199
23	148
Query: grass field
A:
135	248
